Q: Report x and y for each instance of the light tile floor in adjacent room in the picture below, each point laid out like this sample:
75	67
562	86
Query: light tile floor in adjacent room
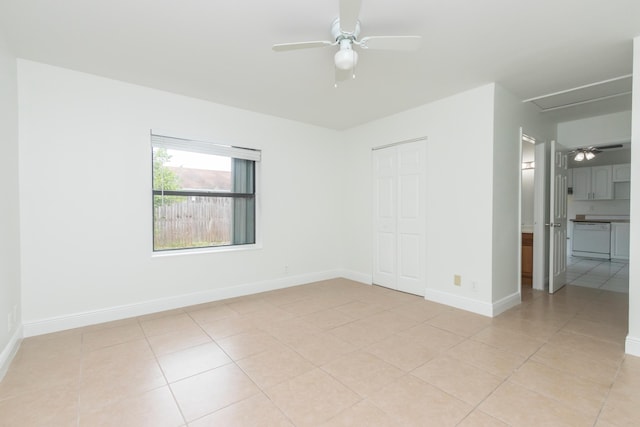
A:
336	353
610	275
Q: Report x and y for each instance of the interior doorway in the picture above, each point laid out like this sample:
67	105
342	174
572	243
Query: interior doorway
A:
580	271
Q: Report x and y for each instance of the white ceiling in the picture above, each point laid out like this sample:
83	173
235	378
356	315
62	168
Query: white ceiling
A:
221	50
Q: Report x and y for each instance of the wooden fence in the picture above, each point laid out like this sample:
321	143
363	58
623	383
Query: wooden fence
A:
194	222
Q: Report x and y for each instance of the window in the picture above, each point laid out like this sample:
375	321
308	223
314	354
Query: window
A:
204	194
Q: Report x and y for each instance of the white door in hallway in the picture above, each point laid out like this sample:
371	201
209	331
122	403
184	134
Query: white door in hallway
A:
399	217
558	218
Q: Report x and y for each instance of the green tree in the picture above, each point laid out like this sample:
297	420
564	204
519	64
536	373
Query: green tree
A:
164	179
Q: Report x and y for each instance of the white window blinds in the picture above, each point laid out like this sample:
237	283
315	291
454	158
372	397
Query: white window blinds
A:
204	147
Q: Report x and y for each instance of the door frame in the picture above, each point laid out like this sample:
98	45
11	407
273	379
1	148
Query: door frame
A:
520	151
540	279
540	218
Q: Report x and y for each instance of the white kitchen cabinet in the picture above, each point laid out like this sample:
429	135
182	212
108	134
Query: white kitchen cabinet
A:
620	240
622	190
594	183
622	173
601	183
582	184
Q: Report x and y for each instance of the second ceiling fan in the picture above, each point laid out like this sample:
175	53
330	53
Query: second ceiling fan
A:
589	153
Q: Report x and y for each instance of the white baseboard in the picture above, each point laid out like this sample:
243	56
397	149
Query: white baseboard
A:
632	346
367	279
77	320
10	350
506	303
457	301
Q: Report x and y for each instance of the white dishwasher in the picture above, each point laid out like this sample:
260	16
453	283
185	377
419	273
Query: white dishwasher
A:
592	239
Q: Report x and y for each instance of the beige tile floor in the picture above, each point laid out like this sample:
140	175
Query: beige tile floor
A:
609	275
336	353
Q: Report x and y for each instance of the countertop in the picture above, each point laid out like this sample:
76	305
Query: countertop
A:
604	221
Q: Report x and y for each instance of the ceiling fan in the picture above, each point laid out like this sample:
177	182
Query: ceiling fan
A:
345	32
589	153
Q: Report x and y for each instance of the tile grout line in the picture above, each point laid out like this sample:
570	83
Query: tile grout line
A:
168	385
609	389
233	361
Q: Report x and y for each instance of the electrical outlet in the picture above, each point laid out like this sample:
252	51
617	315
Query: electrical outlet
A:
9	322
286	269
474	286
457	279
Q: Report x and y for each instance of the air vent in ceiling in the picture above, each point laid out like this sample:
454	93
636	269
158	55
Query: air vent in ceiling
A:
606	89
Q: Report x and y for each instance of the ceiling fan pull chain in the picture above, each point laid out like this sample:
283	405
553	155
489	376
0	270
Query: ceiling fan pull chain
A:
353	69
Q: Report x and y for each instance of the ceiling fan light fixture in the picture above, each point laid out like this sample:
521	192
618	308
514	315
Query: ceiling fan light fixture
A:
589	155
579	156
346	58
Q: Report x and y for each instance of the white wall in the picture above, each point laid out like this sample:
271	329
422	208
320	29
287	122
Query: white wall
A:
599	130
85	170
472	192
459	132
9	213
633	338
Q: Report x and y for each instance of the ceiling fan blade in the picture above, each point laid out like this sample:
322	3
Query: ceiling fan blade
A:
391	42
349	12
301	45
605	147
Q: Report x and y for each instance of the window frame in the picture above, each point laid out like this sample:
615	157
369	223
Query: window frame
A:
165	140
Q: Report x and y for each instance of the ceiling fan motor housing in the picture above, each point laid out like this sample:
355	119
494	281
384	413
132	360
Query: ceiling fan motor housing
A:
338	34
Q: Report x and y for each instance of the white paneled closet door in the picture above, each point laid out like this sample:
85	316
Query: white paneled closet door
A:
399	217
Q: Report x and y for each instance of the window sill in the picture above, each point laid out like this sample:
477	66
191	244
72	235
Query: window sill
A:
209	250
